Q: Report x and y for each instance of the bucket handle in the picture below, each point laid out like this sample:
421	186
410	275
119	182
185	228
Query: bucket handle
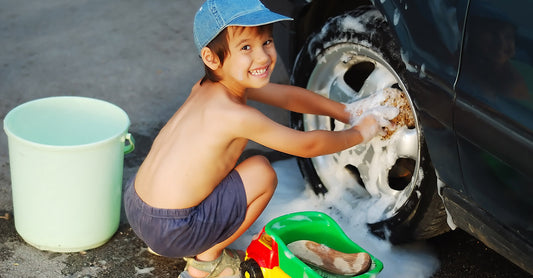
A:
128	148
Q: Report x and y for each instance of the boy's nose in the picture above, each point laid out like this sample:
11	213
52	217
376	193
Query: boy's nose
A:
262	55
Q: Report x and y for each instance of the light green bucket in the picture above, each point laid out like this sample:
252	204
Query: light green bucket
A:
66	157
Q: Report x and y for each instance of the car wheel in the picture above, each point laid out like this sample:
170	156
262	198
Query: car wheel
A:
352	57
251	269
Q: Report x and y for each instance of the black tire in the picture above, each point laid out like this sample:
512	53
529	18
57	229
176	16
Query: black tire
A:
251	269
357	54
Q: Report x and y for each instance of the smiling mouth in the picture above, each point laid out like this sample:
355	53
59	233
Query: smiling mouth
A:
259	72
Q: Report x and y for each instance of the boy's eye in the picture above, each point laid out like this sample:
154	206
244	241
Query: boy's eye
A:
268	42
246	47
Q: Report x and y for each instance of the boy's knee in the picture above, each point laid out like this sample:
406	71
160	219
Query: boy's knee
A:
271	175
264	169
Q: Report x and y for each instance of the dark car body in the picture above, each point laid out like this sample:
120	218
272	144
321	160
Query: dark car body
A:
470	75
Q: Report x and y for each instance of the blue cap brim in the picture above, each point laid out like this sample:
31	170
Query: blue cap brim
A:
256	18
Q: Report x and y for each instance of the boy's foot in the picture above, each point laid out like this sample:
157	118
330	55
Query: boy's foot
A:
330	260
226	265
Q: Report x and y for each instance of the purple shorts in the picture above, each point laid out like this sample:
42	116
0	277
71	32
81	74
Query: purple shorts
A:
191	231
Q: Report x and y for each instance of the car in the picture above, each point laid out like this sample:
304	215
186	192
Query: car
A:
268	254
465	68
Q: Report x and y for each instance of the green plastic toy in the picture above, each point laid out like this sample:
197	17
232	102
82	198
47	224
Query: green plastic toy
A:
268	255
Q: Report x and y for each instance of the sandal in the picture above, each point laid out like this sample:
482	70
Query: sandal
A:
217	266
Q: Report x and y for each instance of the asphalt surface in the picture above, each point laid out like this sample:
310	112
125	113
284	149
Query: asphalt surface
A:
138	55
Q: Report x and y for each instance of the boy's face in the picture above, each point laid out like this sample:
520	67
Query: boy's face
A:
251	57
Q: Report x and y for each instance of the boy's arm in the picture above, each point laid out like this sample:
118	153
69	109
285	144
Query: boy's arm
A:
259	128
299	100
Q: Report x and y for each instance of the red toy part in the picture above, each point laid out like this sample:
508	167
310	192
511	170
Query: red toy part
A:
264	250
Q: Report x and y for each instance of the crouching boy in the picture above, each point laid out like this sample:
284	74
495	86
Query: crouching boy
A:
190	198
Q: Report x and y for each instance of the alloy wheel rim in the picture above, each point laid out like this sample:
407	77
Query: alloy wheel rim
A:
386	170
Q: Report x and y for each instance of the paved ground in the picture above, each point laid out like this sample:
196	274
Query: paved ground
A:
136	54
140	56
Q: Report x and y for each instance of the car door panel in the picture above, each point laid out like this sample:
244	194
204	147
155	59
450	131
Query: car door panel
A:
494	111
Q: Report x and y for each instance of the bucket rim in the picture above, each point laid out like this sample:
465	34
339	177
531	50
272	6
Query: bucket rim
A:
118	135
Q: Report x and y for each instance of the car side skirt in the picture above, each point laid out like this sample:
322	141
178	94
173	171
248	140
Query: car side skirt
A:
484	227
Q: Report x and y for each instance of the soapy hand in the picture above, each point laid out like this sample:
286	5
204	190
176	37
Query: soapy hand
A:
383	115
372	122
368	127
359	107
372	107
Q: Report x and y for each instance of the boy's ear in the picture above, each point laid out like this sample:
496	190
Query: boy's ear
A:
210	58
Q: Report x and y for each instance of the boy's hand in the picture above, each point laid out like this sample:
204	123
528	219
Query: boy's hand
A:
359	108
372	122
379	104
368	127
383	114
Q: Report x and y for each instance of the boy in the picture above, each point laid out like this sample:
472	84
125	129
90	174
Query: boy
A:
189	198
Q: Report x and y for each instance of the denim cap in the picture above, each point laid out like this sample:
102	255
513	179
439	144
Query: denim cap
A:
215	15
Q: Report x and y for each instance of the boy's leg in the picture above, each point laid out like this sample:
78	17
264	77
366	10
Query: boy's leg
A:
259	180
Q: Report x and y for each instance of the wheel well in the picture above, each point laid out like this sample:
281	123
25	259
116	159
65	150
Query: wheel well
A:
314	16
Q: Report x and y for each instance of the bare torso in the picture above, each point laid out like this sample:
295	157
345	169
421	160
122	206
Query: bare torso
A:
193	152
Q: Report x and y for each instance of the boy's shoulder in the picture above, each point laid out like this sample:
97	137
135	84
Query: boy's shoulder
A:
216	99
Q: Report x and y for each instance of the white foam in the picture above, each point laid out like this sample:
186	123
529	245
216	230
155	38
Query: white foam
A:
142	271
449	218
348	24
292	195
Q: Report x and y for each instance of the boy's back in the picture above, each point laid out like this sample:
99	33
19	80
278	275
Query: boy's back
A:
194	151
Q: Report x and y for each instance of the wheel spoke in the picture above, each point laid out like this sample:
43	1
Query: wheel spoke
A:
377	178
340	91
405	141
375	159
379	79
